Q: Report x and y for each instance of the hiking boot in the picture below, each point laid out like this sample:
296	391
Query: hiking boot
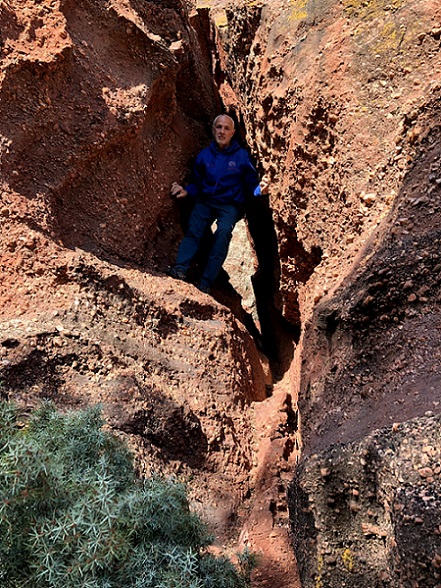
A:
203	288
176	273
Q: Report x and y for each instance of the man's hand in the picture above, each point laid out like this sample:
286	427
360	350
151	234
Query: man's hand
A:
264	186
178	191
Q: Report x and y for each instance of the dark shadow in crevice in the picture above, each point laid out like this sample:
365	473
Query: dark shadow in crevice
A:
278	335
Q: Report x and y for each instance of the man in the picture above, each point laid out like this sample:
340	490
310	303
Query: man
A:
222	175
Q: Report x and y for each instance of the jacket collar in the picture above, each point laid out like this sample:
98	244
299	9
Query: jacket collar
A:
232	147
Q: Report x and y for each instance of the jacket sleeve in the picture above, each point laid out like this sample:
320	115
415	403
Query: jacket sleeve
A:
194	187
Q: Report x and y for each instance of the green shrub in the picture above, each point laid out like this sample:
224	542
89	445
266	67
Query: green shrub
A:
73	514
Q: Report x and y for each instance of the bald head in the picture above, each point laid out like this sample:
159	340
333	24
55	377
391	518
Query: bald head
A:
223	130
223	116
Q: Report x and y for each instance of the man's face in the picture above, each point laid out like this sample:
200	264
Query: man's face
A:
223	131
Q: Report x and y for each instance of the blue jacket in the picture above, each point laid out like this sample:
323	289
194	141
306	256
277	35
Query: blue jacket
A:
223	175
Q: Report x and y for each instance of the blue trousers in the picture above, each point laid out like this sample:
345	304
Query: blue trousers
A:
201	218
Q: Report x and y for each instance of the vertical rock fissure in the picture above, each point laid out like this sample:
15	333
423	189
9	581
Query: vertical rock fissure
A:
272	332
279	336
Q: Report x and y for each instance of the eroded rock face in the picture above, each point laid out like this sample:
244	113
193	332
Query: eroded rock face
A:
368	515
330	95
173	370
102	104
339	100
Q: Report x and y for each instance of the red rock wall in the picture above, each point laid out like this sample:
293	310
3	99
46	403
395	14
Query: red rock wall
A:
325	90
341	105
101	106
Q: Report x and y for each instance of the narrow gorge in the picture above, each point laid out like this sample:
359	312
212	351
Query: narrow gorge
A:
301	401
